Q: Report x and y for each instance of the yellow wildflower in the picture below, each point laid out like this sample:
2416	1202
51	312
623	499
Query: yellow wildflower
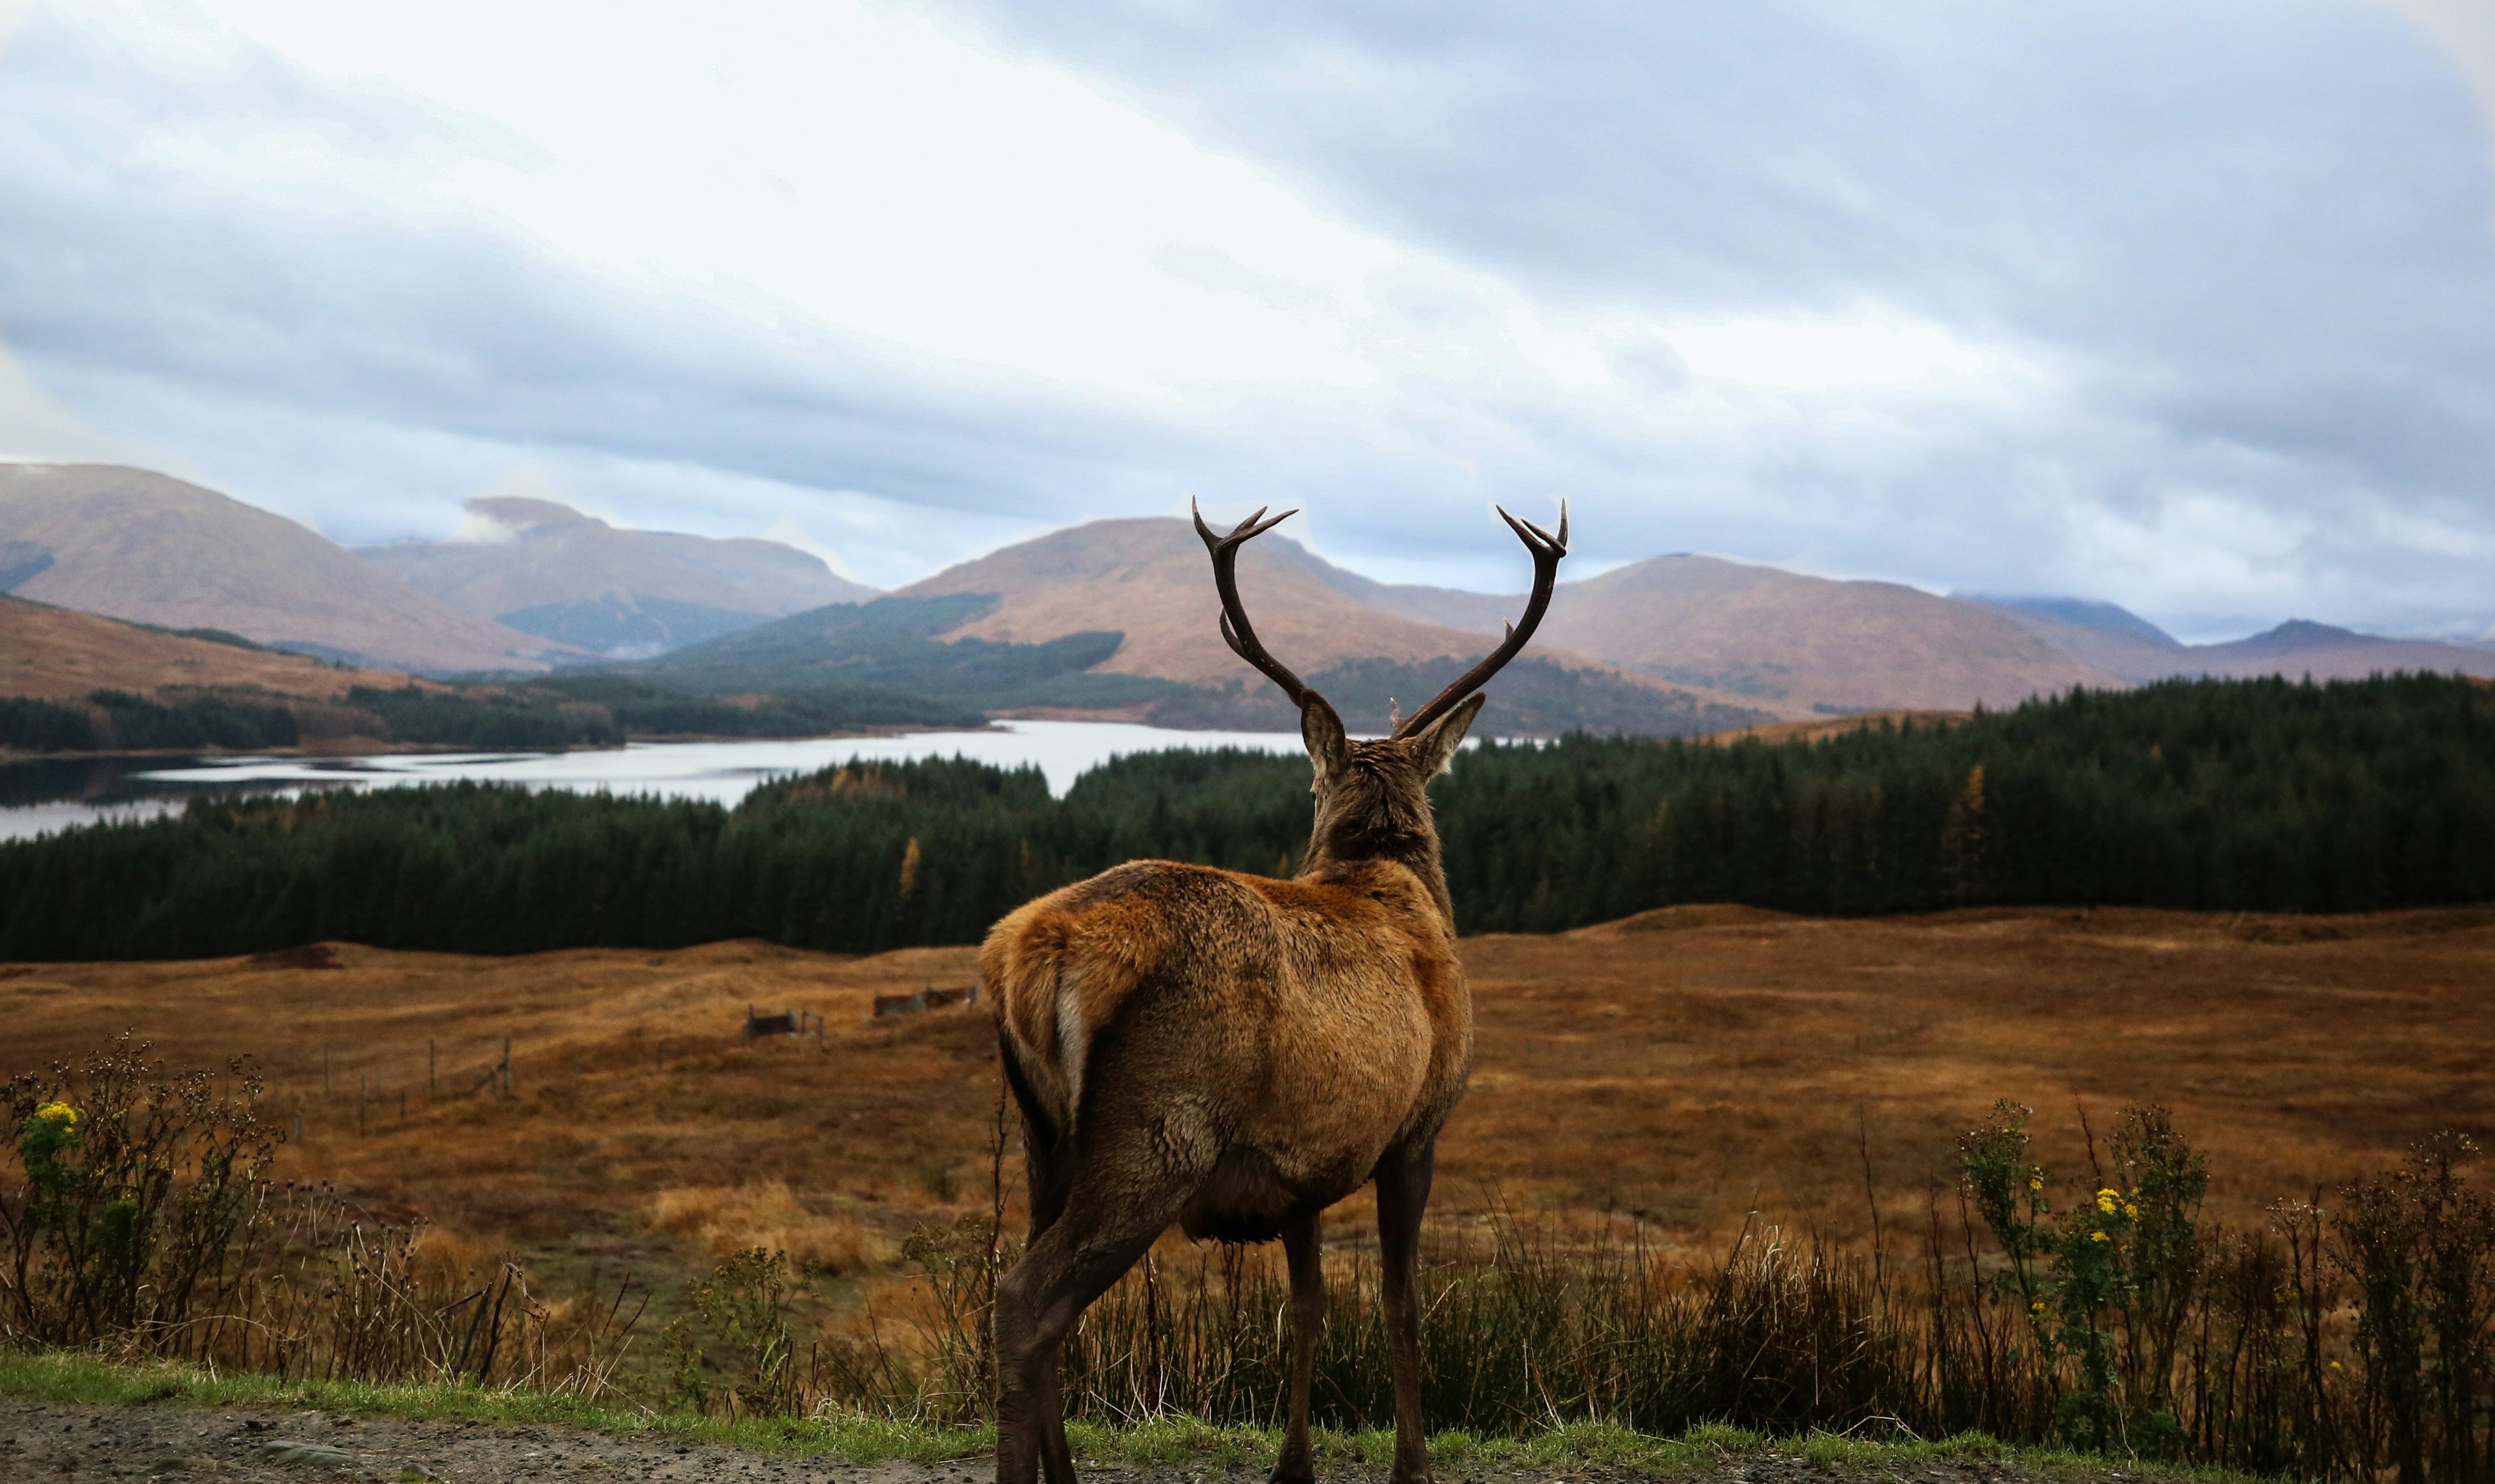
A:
2035	1182
2130	1211
2099	1236
58	1113
2106	1200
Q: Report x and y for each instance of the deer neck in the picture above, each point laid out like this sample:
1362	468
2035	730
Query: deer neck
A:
1418	855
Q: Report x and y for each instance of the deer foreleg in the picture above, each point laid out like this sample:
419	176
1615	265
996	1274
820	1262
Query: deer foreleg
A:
1402	1195
1308	1319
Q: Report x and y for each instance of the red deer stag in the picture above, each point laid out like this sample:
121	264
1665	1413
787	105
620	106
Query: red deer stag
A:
1236	1053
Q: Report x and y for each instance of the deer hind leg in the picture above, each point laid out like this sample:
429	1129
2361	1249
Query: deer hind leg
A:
1036	1303
1308	1319
1402	1195
1121	1198
1048	1403
1046	1173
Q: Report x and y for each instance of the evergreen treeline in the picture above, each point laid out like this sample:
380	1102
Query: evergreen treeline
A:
645	710
571	711
2244	794
2249	796
116	719
28	724
484	718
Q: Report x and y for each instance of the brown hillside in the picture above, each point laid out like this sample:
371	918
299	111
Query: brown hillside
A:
1806	641
60	654
1150	580
548	553
141	546
1447	606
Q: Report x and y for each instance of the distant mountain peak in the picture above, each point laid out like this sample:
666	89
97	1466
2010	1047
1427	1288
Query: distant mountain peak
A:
2084	612
542	568
2325	652
495	520
2305	630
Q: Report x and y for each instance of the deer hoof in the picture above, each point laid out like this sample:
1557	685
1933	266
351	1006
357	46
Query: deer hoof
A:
1293	1471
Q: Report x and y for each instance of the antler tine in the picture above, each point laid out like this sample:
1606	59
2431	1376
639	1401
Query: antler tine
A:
1236	632
1547	550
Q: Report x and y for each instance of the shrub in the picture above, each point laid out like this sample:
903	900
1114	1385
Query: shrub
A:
145	1197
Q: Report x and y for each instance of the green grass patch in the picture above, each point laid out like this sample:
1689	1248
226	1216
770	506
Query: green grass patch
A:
68	1379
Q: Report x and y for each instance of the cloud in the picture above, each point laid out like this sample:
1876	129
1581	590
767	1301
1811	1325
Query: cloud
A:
2150	303
36	428
2251	249
2466	30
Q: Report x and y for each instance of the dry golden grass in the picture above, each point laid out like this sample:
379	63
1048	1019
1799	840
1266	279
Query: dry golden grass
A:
728	1219
1695	1061
1692	1064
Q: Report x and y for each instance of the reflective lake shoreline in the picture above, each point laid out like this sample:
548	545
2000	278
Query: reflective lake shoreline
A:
45	795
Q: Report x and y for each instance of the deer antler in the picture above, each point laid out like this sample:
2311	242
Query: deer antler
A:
1236	631
1547	550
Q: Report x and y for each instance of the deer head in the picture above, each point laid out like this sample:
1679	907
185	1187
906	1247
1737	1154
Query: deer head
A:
1373	794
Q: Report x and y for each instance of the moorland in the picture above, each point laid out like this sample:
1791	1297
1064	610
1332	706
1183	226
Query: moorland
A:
1686	1068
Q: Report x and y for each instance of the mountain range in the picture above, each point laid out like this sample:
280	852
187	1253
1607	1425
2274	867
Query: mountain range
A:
546	570
1112	618
154	549
2136	651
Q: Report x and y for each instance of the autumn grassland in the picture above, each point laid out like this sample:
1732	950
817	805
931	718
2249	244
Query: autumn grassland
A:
1688	1066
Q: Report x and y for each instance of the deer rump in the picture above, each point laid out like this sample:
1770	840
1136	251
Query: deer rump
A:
1259	1042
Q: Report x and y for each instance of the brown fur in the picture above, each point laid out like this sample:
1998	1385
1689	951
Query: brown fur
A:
1234	1053
1262	988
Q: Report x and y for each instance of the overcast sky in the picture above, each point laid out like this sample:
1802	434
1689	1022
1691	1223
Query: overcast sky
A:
2186	306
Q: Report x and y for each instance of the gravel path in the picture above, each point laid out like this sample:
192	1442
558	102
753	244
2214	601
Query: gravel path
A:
239	1445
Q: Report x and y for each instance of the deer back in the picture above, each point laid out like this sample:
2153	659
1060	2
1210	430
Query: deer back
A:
1316	1022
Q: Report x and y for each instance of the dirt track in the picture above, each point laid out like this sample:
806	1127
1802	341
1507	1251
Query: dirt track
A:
229	1443
47	1443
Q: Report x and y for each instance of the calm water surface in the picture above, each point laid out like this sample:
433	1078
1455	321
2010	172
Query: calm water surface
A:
40	798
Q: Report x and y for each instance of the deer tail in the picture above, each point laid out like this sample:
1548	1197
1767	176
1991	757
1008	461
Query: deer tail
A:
1025	972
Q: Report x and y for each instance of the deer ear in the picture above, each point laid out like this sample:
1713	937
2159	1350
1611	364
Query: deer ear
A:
1435	746
1322	730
